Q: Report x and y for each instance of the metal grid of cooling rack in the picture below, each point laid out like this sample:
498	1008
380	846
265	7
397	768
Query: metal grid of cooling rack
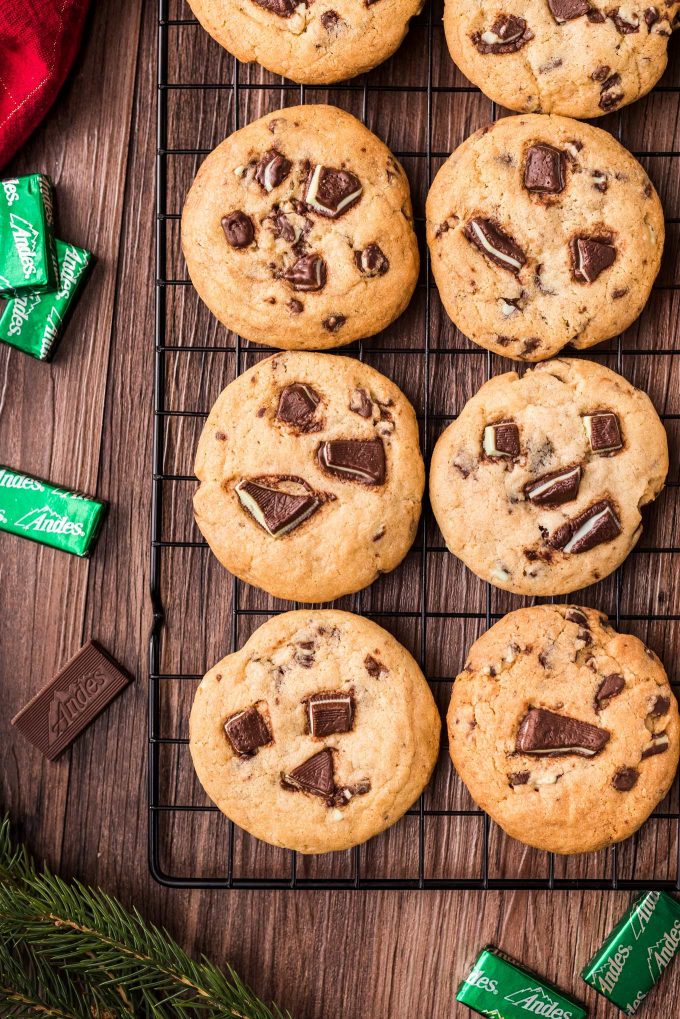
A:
552	876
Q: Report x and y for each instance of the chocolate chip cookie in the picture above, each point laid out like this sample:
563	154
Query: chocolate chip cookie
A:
537	485
543	231
311	476
298	232
311	42
319	733
582	58
563	730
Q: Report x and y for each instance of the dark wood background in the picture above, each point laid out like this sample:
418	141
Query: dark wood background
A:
86	421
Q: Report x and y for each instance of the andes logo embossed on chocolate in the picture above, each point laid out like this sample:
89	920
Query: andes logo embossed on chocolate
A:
592	527
556	488
544	732
279	505
507	35
590	256
331	192
68	705
544	170
493	242
248	731
361	460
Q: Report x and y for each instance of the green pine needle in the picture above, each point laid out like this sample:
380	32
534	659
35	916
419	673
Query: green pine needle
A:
81	955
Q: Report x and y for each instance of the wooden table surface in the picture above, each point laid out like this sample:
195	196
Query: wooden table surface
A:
86	421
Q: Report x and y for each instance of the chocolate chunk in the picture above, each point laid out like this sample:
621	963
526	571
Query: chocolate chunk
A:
611	92
295	307
595	525
498	246
625	25
611	686
518	778
507	35
330	20
333	323
596	17
315	775
625	778
238	229
601	73
247	731
651	16
590	257
308	274
360	460
618	294
567	10
361	403
576	616
501	439
283	227
329	713
660	707
602	429
282	8
544	170
80	691
555	488
277	510
272	170
374	667
341	797
600	182
297	405
371	261
529	346
658	745
545	732
331	192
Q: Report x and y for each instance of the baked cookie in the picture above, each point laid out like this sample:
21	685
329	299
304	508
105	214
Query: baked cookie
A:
298	231
312	43
537	485
311	476
543	232
580	58
319	733
564	731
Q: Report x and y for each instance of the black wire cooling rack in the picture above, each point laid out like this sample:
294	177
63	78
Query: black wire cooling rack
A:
444	841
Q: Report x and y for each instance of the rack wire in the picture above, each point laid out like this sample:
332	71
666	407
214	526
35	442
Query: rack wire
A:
476	854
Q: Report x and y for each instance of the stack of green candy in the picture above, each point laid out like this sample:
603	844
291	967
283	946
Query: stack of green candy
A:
40	276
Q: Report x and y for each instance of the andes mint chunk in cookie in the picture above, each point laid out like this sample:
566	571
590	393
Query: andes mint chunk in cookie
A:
248	731
238	229
371	261
495	243
544	170
567	10
547	732
596	524
501	439
507	35
314	776
297	405
603	431
331	192
275	508
590	257
330	713
272	170
555	488
360	460
308	274
610	687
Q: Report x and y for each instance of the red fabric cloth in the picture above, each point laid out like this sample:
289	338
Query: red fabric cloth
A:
38	43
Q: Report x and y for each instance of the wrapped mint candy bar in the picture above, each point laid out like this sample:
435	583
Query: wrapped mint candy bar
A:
637	952
50	515
28	260
500	989
35	322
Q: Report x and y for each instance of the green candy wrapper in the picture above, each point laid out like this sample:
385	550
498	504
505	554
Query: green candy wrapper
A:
53	516
498	988
636	953
35	322
28	259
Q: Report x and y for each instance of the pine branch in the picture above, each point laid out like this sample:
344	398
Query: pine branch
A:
130	967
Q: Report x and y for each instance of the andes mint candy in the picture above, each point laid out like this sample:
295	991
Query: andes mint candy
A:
360	460
272	169
627	22
297	405
331	192
507	35
590	257
333	323
658	745
501	439
544	170
610	687
374	667
307	274
247	731
611	92
660	707
275	509
567	10
625	778
555	488
283	227
602	429
371	261
518	778
592	527
576	616
545	732
238	229
315	775
330	20
498	246
361	403
330	713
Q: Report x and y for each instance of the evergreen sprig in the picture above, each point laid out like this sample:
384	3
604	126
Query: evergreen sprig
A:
72	952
